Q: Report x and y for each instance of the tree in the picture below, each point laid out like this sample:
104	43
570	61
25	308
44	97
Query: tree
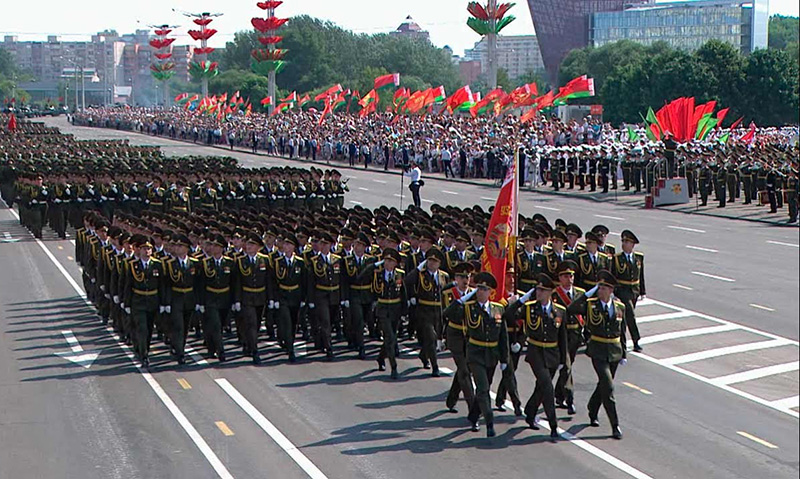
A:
770	93
726	65
248	84
783	31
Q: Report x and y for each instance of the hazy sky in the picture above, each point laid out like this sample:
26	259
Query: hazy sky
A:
77	19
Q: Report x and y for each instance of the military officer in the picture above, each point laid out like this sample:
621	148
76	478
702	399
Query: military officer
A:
144	295
590	262
455	336
529	261
325	278
628	269
183	276
564	294
358	292
216	297
289	293
426	281
389	289
250	292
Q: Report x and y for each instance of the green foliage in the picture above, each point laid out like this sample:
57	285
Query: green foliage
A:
322	54
783	31
248	84
630	77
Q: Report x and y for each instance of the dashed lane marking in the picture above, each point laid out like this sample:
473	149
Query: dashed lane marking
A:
680	286
356	202
184	383
700	248
449	192
363	189
379	181
713	276
299	458
224	429
780	243
757	373
637	388
610	217
488	199
546	208
764	308
682	228
757	440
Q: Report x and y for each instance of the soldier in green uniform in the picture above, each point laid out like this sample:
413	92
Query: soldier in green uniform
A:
564	294
217	294
455	336
325	278
628	269
487	345
389	288
144	295
183	276
426	281
590	262
602	233
557	254
358	291
460	253
546	334
250	292
793	191
529	261
288	287
606	344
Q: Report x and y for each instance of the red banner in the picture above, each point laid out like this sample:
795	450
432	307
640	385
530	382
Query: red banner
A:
500	234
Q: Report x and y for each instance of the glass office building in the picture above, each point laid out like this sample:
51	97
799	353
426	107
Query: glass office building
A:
686	25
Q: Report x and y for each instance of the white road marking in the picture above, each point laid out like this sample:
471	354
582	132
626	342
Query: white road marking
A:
698	248
449	192
428	201
691	230
765	308
298	457
190	430
680	286
546	208
787	403
703	379
77	355
661	317
396	195
757	439
363	189
757	373
688	333
713	276
380	181
356	202
780	243
610	217
725	351
488	199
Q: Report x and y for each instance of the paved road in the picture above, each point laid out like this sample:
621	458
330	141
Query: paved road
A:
715	396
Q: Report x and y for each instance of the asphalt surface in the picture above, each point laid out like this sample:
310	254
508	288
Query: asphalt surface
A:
723	413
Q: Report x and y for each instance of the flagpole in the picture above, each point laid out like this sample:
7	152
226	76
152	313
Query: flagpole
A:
512	246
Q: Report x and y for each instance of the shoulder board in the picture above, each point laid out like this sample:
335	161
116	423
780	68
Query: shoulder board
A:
558	306
192	259
228	258
637	253
579	290
531	303
299	259
154	260
618	303
497	304
470	303
591	300
261	255
335	256
604	255
400	271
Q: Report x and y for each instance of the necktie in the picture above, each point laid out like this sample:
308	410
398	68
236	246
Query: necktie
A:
594	260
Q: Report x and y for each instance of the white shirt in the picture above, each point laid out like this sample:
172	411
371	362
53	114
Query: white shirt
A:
487	307
415	174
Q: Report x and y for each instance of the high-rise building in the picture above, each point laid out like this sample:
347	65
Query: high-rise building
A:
686	25
516	54
563	25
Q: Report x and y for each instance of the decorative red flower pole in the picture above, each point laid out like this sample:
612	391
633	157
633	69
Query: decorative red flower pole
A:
202	68
269	59
163	66
488	21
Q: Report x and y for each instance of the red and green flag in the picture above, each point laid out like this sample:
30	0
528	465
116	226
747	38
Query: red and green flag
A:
383	81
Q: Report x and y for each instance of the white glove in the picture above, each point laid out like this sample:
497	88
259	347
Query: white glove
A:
238	306
422	265
202	309
277	305
439	345
127	310
503	366
56	201
168	309
642	297
311	306
623	362
197	307
516	347
122	305
413	301
94	280
561	366
469	296
102	287
107	296
34	202
513	299
592	291
527	296
271	304
380	263
161	309
346	303
116	299
302	304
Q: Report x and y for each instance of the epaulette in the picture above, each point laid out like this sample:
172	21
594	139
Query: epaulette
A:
579	290
559	306
637	253
400	271
155	260
335	256
531	303
299	258
225	257
495	303
262	255
469	303
591	300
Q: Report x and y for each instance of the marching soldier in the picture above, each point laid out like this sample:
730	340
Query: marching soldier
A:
359	298
288	287
529	261
324	291
459	254
389	288
546	334
590	262
564	294
144	295
250	293
426	281
455	335
628	269
216	295
557	254
183	275
606	344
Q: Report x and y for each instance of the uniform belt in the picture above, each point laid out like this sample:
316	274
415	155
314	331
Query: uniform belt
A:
484	344
254	290
361	287
180	208
182	290
207	205
156	204
628	283
573	326
457	326
327	288
601	339
424	302
593	283
512	329
388	301
142	292
289	287
218	290
541	344
528	281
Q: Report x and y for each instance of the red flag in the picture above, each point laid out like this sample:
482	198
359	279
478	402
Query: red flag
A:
737	123
500	234
12	123
750	135
387	80
267	100
329	92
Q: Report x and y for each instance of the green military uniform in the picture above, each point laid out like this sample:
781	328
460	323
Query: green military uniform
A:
250	297
565	387
629	273
456	337
215	299
358	291
143	296
184	276
427	289
324	294
390	291
288	287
